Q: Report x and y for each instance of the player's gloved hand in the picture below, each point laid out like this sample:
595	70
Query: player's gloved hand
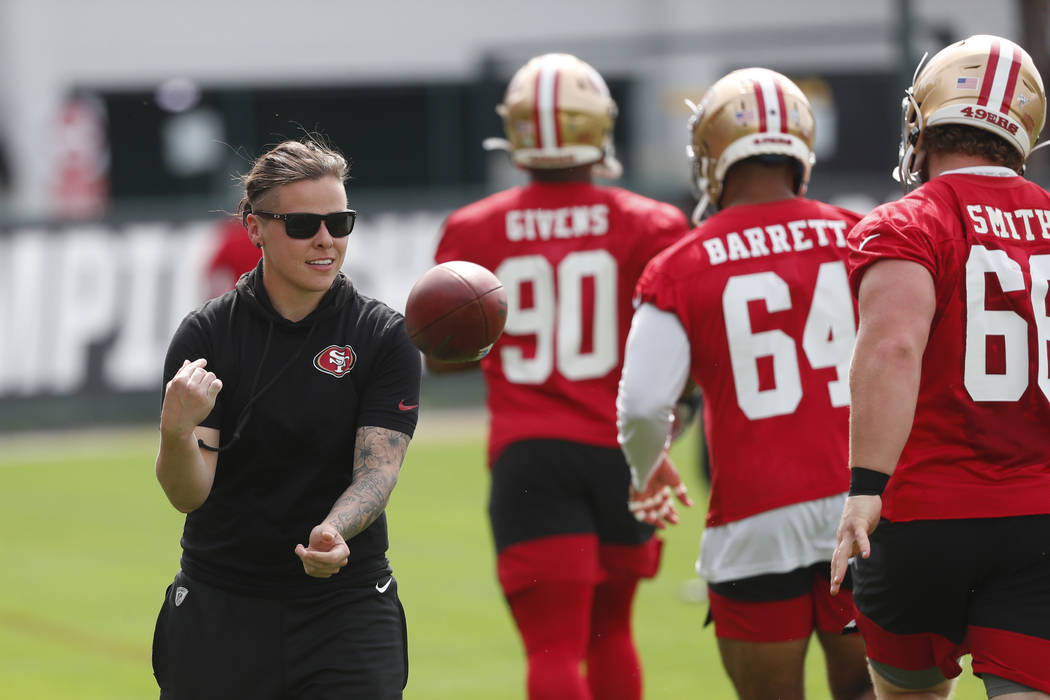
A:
326	554
654	503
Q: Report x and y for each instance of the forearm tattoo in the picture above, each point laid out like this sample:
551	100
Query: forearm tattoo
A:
378	454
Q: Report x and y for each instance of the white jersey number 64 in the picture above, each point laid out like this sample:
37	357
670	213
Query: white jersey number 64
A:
827	339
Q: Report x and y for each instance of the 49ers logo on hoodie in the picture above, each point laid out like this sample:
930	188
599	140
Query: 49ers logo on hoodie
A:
336	360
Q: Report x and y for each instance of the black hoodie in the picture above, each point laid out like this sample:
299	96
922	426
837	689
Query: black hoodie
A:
294	395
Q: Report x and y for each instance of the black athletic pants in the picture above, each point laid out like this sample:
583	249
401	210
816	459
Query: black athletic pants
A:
211	644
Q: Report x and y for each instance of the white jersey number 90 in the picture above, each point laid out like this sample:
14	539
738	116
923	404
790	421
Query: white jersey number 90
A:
555	316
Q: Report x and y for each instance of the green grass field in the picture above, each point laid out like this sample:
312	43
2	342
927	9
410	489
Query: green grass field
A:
88	544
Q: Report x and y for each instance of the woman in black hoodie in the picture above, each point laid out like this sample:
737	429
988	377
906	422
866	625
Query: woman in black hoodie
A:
289	404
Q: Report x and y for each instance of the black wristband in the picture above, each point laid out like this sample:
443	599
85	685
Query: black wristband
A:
867	482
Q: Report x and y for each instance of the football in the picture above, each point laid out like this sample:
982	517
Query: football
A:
456	311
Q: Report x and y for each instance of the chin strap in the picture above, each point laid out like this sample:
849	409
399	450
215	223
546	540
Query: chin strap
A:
609	166
1024	166
699	210
1037	147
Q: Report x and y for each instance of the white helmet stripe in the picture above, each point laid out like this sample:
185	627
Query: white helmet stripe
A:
771	105
1000	77
547	104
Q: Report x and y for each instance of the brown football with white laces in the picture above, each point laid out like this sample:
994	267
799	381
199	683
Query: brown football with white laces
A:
456	311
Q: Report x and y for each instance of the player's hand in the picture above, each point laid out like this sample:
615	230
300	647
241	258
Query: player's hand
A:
860	516
188	398
326	554
654	503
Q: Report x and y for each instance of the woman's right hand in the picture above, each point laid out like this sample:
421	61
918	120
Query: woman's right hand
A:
188	398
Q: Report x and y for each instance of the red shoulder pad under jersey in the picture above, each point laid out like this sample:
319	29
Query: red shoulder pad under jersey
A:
901	230
662	276
663	223
569	256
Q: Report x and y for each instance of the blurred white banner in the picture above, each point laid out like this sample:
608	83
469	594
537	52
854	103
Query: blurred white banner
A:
95	306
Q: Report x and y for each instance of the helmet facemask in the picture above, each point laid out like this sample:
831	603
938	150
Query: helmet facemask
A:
909	156
699	166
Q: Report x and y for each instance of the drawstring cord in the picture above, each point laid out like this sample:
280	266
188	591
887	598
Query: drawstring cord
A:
242	419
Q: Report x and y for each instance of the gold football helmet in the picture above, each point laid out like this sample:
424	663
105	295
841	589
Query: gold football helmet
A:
558	113
750	112
984	81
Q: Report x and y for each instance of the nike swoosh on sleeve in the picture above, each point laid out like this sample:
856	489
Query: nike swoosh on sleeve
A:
865	241
407	406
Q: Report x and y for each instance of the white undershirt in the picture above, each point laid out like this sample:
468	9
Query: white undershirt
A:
655	370
989	170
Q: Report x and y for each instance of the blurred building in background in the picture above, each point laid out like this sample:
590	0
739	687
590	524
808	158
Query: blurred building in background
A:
124	124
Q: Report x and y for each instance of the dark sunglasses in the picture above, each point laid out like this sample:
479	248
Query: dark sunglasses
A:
303	225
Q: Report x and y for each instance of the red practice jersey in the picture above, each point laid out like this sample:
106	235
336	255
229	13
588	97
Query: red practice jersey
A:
980	443
762	294
569	255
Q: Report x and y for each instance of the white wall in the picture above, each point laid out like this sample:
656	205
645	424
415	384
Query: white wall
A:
49	46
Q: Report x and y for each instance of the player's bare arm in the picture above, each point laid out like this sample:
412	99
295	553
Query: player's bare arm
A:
378	455
897	302
185	471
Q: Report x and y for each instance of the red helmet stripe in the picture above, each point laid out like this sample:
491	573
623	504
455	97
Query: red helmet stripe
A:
783	108
989	74
1000	76
536	110
554	110
761	105
1011	81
